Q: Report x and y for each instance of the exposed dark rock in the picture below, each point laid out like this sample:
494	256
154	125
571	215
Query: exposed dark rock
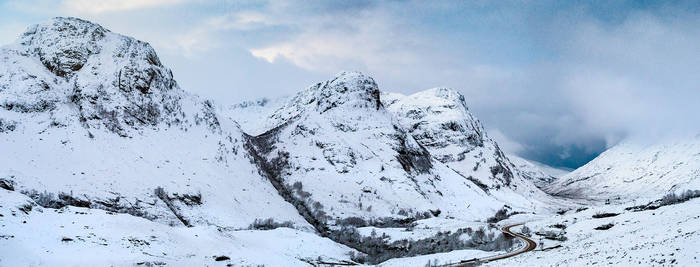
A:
162	195
413	158
7	184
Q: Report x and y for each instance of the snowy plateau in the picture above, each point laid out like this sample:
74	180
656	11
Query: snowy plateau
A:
106	161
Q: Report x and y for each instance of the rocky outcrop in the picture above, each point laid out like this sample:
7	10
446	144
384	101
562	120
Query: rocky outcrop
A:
113	81
441	122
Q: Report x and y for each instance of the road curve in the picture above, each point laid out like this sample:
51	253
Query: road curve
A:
530	245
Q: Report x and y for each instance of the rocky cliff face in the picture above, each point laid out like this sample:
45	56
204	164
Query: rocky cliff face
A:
440	121
113	81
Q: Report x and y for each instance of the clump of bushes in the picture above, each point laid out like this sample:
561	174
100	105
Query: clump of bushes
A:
377	248
48	200
605	215
552	235
558	226
189	199
501	214
269	224
669	199
605	226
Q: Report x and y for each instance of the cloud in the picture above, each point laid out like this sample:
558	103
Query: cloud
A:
103	6
556	82
638	78
505	143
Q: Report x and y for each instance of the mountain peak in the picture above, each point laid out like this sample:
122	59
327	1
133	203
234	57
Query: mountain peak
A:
64	43
347	88
115	81
346	91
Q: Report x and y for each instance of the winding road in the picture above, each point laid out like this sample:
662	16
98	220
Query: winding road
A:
530	245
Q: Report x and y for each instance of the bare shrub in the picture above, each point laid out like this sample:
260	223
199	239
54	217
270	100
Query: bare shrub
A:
605	226
605	215
269	224
500	215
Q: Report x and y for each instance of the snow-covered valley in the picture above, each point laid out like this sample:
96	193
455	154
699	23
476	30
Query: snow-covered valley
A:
106	161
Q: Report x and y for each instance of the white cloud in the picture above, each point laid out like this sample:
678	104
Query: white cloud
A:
505	143
102	6
246	20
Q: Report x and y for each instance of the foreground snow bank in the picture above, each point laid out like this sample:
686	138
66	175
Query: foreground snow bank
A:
35	236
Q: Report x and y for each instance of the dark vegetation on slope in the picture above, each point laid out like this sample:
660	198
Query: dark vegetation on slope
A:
559	226
558	235
260	146
378	249
604	215
49	200
605	226
117	204
502	214
375	248
389	222
668	199
269	224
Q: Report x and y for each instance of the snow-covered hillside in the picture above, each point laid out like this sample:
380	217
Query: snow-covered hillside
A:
540	174
74	236
337	149
609	235
440	120
105	156
341	152
630	170
92	118
92	123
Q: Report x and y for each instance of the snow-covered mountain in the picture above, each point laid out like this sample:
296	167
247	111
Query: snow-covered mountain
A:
92	123
92	118
540	174
632	170
440	120
340	152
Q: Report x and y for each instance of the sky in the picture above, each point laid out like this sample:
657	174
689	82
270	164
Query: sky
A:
553	81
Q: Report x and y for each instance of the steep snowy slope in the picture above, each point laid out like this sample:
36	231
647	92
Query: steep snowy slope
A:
440	121
252	115
632	171
92	118
339	153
